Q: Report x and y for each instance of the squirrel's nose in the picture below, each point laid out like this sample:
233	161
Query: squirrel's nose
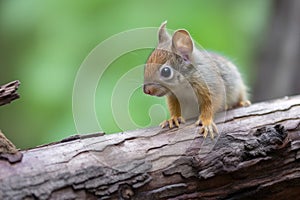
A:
147	90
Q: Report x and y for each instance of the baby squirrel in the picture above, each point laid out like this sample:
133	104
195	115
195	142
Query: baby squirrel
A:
215	81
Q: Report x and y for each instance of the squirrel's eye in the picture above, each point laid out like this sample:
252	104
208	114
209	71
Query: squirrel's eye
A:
166	72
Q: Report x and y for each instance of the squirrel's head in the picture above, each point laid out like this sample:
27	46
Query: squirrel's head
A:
168	63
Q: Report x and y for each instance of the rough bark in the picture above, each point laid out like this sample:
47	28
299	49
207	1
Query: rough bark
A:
8	92
256	155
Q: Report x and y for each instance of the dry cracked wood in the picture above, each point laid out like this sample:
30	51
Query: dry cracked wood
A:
8	92
256	155
8	151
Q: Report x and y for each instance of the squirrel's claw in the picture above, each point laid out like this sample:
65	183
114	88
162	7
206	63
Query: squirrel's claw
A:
172	121
210	129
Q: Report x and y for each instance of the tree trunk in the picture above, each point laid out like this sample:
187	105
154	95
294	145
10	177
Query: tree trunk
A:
256	155
277	66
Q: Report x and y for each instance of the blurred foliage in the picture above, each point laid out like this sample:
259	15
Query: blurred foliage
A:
43	43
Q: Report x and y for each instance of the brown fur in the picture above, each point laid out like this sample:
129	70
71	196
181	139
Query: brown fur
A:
157	58
174	106
206	103
209	77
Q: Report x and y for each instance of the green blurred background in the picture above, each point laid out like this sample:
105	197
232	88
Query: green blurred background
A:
43	43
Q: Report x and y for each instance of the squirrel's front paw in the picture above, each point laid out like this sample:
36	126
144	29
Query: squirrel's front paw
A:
172	121
206	129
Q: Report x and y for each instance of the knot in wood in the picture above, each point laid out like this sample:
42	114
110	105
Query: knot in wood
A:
266	140
271	135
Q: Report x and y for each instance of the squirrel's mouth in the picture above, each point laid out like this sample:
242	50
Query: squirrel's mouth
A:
155	89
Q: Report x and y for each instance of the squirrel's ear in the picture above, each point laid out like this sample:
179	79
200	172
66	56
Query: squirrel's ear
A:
182	43
163	35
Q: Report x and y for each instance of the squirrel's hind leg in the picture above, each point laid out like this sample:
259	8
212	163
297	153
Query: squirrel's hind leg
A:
243	100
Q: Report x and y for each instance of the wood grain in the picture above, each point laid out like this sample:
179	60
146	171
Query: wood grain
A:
257	154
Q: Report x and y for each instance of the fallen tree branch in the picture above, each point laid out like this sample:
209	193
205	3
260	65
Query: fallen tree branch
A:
8	151
8	92
256	155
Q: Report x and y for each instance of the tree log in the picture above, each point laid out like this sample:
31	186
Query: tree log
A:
255	156
8	92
